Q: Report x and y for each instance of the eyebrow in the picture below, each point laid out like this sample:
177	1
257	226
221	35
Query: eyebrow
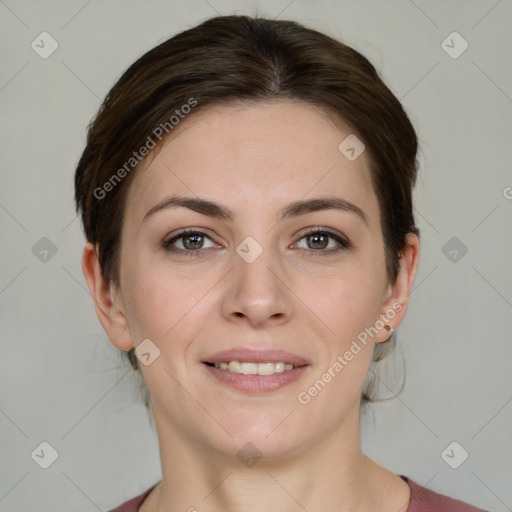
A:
294	209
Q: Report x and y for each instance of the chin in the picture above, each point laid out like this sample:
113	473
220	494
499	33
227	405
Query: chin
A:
256	435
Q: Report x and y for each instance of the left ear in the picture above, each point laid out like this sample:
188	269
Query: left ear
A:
397	300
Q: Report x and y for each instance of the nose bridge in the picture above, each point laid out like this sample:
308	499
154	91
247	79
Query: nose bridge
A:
256	290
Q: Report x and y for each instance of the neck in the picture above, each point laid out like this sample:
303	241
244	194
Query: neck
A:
329	474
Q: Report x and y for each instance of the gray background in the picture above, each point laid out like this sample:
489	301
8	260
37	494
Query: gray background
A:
61	380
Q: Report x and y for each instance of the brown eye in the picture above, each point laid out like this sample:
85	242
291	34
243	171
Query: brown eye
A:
317	241
188	241
324	242
193	241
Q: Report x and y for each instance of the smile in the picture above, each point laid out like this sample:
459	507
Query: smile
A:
253	368
255	378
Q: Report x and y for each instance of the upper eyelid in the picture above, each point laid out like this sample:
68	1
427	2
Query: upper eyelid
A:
187	232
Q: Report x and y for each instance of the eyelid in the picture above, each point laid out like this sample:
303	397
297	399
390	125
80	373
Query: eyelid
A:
187	231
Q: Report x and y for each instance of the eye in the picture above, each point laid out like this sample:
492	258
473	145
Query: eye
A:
322	242
187	242
319	242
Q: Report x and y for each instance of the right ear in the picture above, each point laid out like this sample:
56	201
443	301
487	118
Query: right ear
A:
111	316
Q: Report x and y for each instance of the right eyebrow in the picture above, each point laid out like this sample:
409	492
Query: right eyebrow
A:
202	206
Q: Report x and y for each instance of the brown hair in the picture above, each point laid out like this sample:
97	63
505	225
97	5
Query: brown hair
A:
241	58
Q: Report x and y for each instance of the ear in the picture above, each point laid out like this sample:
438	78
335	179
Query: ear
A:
111	315
397	298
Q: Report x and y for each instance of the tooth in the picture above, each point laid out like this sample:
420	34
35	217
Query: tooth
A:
249	368
254	368
279	367
234	366
266	368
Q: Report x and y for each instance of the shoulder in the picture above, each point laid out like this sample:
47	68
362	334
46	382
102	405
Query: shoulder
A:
425	500
133	504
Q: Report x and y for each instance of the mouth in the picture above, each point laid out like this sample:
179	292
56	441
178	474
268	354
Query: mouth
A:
256	372
268	368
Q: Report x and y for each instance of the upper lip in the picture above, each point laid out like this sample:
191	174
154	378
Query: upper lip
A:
256	356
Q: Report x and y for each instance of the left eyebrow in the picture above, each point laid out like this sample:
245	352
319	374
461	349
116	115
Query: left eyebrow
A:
322	203
294	209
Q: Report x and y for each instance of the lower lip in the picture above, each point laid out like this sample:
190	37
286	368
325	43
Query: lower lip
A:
256	384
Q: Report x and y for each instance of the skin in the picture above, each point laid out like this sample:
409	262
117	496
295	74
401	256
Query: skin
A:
254	160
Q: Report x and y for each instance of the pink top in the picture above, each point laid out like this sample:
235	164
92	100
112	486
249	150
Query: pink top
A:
422	500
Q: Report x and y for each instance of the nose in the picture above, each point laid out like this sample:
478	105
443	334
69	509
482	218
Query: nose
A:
257	293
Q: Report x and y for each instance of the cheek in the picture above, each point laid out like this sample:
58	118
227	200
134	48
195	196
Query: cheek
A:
346	301
349	306
161	306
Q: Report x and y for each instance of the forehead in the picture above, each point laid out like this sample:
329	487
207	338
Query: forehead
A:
254	156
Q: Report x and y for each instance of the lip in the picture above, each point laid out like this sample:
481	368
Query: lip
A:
256	384
245	355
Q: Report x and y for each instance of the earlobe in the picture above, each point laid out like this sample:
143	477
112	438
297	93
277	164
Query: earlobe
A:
110	314
395	305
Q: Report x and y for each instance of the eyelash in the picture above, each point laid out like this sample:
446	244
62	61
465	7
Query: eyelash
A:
344	243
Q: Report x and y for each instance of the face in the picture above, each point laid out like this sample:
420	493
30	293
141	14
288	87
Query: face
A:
267	267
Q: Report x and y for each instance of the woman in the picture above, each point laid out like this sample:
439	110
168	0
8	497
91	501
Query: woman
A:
246	197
